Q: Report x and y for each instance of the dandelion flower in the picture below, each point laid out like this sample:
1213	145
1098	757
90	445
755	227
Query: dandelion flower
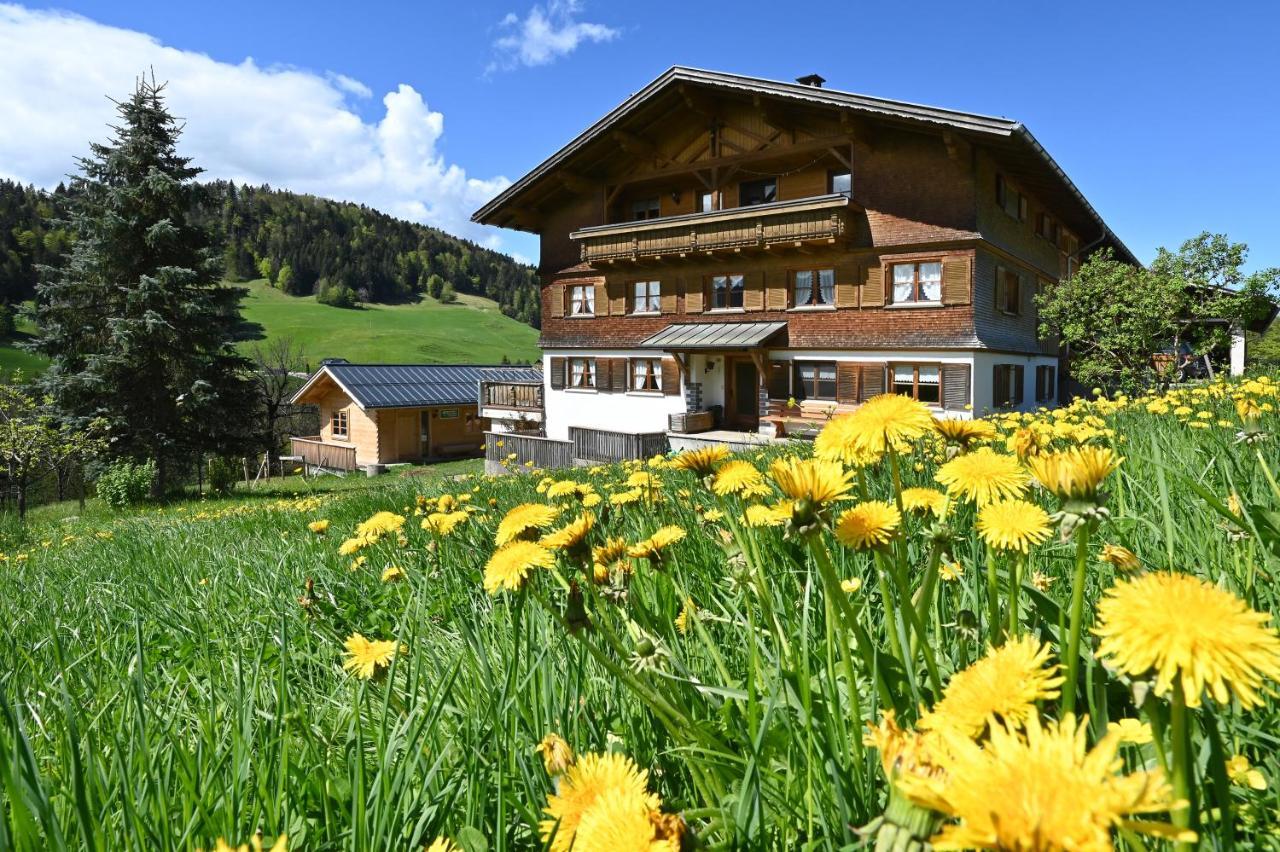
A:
319	527
1189	633
868	525
588	780
883	422
621	821
1076	473
614	548
814	480
924	500
1041	581
762	515
838	441
983	476
442	844
443	523
508	567
366	658
1121	557
904	751
1244	775
1131	731
557	755
851	586
737	477
1005	684
392	573
652	547
951	570
524	520
254	845
688	612
380	524
570	535
623	498
702	461
1013	525
964	433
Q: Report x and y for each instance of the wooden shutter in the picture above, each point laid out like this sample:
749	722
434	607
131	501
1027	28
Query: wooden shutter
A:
617	290
670	377
999	385
870	381
846	383
955	386
603	366
667	296
555	298
620	373
558	366
602	300
873	288
776	284
1019	381
955	281
847	285
779	382
753	291
693	295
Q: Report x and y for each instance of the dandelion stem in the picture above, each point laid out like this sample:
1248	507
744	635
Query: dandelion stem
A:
924	597
993	601
1015	590
1077	616
1181	779
1266	471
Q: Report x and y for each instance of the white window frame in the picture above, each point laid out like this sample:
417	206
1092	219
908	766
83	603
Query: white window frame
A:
917	284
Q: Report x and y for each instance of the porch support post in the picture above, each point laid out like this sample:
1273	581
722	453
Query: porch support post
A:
1237	349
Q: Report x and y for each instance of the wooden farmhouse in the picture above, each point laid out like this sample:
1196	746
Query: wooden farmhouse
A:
719	245
380	414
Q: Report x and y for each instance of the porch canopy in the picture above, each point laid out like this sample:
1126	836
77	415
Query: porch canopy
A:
686	336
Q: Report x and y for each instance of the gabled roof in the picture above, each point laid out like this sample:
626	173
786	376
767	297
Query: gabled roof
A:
414	385
1011	137
713	335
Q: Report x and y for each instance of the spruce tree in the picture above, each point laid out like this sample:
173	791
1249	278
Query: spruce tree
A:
136	321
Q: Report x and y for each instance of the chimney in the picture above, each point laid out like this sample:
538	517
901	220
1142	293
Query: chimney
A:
815	80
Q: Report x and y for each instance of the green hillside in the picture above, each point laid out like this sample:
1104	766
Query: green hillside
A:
471	331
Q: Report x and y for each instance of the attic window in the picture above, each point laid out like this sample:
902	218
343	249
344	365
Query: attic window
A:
645	208
761	191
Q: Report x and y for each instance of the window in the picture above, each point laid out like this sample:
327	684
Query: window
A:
1008	291
757	192
582	300
645	208
839	182
646	297
1006	386
726	291
1048	228
448	414
582	372
1010	200
706	202
917	282
646	374
341	425
1046	383
813	288
815	380
922	382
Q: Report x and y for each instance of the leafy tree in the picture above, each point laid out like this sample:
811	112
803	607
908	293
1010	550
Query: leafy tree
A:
136	322
274	364
435	286
34	442
284	278
448	295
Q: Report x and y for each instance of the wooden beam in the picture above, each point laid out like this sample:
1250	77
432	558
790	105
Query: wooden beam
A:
774	116
957	148
840	155
635	145
578	184
682	365
697	102
800	148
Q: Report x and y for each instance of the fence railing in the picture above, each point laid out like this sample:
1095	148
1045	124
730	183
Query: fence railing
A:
515	449
506	395
317	453
599	445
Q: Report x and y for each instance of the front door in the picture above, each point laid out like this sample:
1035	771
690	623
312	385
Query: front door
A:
742	394
424	434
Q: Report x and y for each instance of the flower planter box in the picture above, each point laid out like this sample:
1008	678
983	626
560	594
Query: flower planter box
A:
691	421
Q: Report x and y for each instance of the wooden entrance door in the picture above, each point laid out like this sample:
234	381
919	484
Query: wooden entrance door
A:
741	393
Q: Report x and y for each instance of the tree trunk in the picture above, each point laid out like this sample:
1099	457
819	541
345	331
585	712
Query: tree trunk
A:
83	485
22	502
158	484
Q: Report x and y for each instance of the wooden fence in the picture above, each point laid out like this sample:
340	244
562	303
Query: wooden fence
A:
316	453
521	397
599	445
546	453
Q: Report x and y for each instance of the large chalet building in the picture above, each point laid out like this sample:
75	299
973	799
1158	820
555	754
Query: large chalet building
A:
772	251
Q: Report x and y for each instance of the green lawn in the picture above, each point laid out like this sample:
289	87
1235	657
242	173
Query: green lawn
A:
471	331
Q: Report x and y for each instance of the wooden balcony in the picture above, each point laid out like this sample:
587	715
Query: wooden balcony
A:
509	395
821	219
316	453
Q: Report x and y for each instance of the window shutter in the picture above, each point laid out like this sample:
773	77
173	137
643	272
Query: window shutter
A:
873	289
846	383
847	285
602	300
778	382
555	296
1018	381
1001	296
955	281
602	373
776	285
955	386
693	295
999	385
753	291
619	374
870	381
557	373
670	377
667	297
617	289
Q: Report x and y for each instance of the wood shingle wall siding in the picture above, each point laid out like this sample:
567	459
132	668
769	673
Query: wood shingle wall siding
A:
994	326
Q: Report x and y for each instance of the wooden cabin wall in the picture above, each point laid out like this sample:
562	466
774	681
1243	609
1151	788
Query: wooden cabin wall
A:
362	427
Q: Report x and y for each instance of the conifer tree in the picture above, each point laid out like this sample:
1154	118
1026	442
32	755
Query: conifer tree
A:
136	321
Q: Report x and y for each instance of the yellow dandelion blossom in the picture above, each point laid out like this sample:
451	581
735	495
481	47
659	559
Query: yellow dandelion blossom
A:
703	460
736	477
1076	473
868	525
951	570
319	527
443	523
1121	557
1067	796
964	433
652	547
442	844
380	524
624	498
1133	731
1025	442
1244	775
1190	633
614	548
883	422
762	515
1013	525
557	755
813	480
570	535
983	476
621	821
588	780
523	521
851	586
563	488
644	479
924	500
838	442
392	573
254	845
1005	684
508	567
1041	581
902	750
366	658
687	612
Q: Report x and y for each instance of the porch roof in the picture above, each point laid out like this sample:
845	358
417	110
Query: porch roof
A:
713	335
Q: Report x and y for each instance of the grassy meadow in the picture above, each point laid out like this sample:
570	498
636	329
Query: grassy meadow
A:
772	651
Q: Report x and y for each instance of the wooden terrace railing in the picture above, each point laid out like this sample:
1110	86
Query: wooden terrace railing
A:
545	453
317	453
599	445
520	397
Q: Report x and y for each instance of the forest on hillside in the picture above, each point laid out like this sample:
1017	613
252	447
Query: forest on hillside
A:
344	253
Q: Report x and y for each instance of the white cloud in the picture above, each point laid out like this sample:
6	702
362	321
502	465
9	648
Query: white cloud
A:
289	127
544	35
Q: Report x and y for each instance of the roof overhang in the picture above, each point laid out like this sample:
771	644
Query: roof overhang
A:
687	336
323	372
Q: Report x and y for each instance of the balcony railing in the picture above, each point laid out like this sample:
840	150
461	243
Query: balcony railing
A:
519	397
823	218
316	453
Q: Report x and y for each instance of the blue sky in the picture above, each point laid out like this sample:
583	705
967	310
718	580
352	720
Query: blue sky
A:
1165	114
